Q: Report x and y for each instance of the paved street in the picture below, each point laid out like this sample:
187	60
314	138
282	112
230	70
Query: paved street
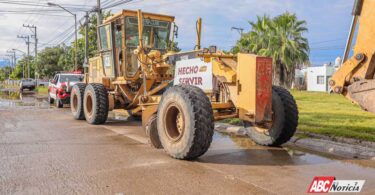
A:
44	151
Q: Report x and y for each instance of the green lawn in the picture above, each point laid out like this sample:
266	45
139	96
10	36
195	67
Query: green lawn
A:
42	90
333	115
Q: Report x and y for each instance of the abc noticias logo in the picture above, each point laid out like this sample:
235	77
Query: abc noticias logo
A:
326	184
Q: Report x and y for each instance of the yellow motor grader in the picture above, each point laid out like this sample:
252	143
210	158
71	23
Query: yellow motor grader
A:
355	79
178	96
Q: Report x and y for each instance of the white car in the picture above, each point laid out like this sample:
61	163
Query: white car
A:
59	88
27	84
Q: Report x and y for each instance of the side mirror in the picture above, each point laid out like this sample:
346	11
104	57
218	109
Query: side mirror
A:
175	30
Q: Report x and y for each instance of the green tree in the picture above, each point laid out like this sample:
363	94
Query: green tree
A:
92	38
48	60
280	38
22	68
61	57
5	72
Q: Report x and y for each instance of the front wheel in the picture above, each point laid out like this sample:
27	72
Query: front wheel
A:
50	99
284	123
58	102
185	122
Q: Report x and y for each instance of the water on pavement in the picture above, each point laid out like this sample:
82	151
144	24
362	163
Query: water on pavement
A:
276	170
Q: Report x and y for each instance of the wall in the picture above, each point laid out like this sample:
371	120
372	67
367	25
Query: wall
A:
312	78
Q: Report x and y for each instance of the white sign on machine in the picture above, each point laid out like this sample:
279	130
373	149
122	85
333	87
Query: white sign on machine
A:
194	72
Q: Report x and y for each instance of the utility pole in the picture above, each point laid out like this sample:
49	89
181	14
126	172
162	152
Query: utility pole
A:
86	60
13	56
27	39
15	60
75	31
99	19
11	59
33	30
99	13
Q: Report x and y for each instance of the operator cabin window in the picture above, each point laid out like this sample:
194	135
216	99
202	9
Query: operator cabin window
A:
155	36
320	80
106	50
105	45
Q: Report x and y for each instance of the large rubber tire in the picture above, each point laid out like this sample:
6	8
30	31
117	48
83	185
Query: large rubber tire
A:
76	101
151	130
95	103
285	120
50	99
190	105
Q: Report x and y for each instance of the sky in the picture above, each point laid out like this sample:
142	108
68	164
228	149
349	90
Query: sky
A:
328	21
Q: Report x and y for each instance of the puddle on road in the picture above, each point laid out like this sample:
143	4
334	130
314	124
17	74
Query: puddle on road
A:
231	149
27	99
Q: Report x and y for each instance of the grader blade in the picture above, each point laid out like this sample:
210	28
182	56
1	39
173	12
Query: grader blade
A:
363	93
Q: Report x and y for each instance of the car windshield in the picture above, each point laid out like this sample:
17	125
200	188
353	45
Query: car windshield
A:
71	78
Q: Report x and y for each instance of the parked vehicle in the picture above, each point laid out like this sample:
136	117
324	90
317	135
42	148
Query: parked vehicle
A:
27	84
59	88
133	71
43	83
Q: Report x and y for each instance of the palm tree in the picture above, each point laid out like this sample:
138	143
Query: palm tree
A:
280	38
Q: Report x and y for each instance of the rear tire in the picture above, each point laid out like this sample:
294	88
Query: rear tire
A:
50	99
95	103
285	120
58	102
185	122
76	101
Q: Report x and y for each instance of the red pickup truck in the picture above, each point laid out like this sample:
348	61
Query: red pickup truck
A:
59	88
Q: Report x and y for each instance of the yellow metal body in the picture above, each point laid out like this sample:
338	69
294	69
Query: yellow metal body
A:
242	82
199	34
361	66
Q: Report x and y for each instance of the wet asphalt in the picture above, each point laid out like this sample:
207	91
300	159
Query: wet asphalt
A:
44	151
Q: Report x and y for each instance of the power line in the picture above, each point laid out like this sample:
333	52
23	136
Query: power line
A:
117	4
35	13
327	41
28	3
60	36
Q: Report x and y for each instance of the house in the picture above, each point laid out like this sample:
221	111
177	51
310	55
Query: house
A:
318	77
299	79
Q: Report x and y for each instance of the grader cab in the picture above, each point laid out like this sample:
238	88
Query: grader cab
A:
178	96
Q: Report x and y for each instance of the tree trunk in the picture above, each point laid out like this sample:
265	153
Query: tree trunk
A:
276	72
288	77
281	76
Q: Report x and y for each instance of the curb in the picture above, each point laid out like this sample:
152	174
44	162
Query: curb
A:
348	148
